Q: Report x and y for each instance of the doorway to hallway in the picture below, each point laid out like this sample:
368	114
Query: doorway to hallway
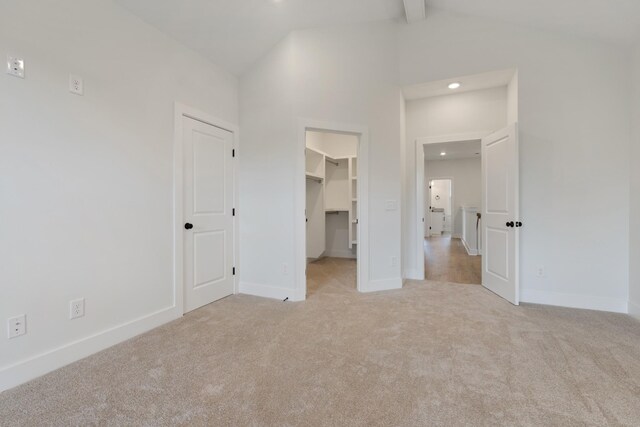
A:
446	260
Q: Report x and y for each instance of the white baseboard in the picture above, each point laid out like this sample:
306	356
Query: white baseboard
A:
267	291
28	369
383	285
574	301
472	252
412	274
456	236
634	309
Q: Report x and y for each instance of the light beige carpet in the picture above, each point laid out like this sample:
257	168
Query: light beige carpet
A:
429	354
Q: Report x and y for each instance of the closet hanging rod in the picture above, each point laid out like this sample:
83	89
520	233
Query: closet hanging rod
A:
333	162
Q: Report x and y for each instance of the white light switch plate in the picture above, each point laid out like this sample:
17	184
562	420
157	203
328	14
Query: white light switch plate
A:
15	66
390	205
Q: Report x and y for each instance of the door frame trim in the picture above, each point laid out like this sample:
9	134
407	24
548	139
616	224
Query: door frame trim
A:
362	248
180	111
420	180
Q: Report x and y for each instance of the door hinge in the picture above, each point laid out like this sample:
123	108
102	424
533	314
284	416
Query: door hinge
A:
422	219
233	152
234	271
233	212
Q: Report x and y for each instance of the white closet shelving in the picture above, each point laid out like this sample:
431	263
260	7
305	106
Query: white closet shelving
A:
353	197
331	204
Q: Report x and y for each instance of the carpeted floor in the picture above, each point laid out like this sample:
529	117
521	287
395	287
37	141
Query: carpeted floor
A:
429	354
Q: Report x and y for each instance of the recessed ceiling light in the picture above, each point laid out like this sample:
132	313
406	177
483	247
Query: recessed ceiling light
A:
443	154
454	85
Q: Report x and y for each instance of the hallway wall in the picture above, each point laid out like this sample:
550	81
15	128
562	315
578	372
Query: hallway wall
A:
466	184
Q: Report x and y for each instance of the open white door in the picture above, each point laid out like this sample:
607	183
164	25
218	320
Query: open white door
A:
500	216
208	228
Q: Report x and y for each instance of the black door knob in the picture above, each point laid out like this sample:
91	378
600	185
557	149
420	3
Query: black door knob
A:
510	224
518	224
188	226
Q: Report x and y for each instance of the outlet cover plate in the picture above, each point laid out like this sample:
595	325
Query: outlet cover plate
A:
76	308
76	85
15	66
17	326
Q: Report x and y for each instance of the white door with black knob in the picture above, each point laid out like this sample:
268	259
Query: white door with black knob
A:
500	217
208	213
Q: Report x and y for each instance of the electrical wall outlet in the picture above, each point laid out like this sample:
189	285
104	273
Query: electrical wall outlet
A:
285	268
17	326
540	271
76	85
15	66
76	308
394	261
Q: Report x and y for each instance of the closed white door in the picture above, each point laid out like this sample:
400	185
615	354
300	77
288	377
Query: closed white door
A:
500	216
208	213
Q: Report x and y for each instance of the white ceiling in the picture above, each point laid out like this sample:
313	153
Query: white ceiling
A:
454	150
467	84
236	33
611	20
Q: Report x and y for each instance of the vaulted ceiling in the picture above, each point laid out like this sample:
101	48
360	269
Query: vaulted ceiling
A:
236	33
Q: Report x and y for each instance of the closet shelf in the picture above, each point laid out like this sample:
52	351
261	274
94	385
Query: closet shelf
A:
337	210
354	242
354	200
314	177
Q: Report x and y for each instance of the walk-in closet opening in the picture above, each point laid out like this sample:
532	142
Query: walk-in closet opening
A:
331	210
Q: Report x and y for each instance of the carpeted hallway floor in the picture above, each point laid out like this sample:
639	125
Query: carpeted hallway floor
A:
429	354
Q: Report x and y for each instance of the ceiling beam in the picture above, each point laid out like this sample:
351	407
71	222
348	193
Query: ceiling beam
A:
415	10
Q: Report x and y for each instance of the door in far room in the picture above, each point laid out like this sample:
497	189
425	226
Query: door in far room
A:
208	213
440	191
500	216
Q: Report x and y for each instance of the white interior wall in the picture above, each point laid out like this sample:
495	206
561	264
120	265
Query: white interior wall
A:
512	99
574	125
466	184
347	75
458	113
86	184
267	175
337	229
572	95
634	232
335	75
